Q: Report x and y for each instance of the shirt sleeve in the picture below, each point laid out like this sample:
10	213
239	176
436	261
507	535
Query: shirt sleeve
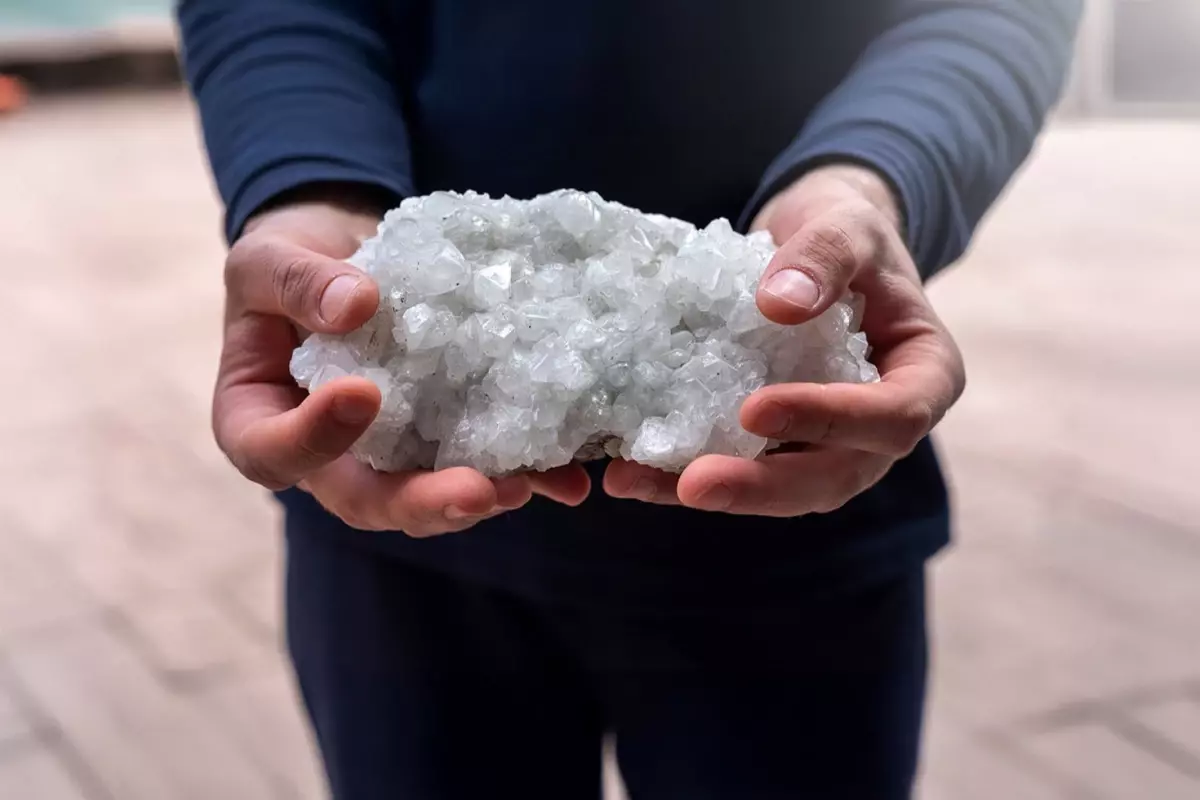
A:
294	92
946	104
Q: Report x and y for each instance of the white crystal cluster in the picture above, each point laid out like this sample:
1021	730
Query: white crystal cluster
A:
525	334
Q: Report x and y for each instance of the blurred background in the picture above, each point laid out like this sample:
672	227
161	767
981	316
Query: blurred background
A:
140	646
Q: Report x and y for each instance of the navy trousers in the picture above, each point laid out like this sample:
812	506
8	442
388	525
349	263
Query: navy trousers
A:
422	686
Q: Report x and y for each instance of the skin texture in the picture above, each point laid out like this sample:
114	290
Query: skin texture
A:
285	273
840	228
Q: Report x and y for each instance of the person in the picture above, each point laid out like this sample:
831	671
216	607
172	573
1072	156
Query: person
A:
744	630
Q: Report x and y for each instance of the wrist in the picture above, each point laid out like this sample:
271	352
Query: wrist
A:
353	201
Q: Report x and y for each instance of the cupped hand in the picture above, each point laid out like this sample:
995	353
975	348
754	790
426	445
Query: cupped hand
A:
840	229
286	272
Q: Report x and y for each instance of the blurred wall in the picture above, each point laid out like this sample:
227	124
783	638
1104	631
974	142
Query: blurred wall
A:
1156	51
43	14
1137	57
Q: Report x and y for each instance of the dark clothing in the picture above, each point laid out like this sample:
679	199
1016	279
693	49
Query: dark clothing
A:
635	556
425	686
684	108
735	657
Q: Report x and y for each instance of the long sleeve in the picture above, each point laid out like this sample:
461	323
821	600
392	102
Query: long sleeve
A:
293	92
946	103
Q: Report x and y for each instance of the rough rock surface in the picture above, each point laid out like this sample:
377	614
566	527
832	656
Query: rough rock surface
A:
524	334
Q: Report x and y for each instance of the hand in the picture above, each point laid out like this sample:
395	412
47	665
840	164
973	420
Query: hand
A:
285	272
840	228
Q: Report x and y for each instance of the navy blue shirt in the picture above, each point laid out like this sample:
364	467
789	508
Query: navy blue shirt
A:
693	108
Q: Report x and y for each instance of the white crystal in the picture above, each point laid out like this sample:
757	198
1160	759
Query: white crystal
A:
427	328
522	334
492	284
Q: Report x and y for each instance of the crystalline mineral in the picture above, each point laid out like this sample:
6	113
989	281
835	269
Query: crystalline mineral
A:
523	334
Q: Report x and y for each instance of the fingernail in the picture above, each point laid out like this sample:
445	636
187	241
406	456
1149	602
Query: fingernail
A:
352	411
794	287
643	489
774	419
455	513
337	296
717	498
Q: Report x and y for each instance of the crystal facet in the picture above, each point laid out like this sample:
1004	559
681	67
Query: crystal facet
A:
523	334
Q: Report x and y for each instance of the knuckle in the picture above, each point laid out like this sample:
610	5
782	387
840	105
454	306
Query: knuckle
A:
831	504
831	246
248	459
419	530
824	424
784	508
913	424
353	511
310	456
261	474
780	496
247	256
357	521
294	284
415	521
812	417
814	428
353	517
837	497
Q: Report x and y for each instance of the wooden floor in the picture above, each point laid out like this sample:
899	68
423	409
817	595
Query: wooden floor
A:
139	576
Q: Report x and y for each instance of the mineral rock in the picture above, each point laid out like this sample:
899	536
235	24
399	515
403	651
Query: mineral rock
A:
524	334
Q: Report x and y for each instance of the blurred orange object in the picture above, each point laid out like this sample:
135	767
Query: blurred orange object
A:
12	94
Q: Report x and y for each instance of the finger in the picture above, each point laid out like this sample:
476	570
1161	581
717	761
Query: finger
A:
318	293
814	268
781	484
632	481
888	418
418	503
569	485
458	495
512	491
921	371
275	442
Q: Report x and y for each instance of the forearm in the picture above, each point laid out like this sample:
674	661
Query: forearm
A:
294	93
945	106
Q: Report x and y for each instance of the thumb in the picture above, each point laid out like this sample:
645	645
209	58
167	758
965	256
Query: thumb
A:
318	293
814	268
